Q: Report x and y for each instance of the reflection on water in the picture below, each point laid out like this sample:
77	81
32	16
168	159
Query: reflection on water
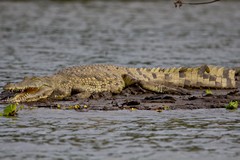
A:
40	37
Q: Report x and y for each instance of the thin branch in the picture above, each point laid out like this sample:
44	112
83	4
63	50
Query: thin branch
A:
179	3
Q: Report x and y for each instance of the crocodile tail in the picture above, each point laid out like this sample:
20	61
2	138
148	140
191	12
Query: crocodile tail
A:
224	77
203	76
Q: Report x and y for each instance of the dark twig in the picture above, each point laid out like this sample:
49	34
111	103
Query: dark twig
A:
179	3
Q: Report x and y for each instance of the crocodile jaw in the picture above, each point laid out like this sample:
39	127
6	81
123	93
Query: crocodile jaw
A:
27	93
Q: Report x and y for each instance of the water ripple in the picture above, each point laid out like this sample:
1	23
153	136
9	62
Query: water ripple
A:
38	38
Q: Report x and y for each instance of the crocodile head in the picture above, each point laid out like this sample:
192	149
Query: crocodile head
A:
29	89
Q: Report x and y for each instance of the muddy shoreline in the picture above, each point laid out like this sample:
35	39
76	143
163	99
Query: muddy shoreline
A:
136	98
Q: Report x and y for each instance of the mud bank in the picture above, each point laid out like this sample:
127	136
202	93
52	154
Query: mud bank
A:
134	97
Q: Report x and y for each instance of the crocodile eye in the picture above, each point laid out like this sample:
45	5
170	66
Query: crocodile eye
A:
35	78
27	77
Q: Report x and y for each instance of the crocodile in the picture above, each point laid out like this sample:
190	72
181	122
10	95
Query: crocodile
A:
86	80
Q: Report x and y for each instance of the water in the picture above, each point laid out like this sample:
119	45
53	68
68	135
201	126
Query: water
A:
40	37
49	133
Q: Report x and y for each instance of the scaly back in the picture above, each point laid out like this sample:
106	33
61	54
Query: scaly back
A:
204	76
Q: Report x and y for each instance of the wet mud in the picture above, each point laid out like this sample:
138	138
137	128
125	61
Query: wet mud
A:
136	98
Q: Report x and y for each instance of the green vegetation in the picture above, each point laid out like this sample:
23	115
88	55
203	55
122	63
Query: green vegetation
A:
208	92
11	110
232	105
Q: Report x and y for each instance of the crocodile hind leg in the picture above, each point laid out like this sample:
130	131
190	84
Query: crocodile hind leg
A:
159	88
154	86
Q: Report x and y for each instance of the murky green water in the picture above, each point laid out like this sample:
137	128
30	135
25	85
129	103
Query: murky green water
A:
40	37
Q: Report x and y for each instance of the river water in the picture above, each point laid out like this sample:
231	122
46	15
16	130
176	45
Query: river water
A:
41	37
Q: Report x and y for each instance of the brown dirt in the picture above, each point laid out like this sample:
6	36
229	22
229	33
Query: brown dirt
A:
134	97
